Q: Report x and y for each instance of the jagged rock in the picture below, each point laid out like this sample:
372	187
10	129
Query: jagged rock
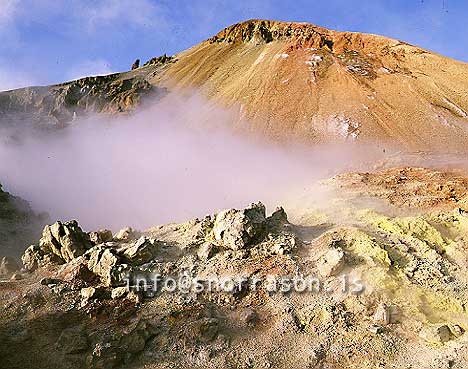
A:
76	270
72	341
382	314
101	236
200	229
439	333
237	229
88	293
92	293
119	292
136	64
279	217
31	257
104	263
65	240
35	257
206	251
124	234
7	266
331	263
160	60
140	252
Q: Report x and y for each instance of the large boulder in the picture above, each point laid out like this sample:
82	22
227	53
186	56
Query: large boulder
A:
105	263
136	64
237	229
65	240
35	257
140	252
76	271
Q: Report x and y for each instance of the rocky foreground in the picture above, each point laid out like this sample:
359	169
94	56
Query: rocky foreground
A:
376	279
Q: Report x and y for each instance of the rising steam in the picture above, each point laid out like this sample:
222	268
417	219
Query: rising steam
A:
170	162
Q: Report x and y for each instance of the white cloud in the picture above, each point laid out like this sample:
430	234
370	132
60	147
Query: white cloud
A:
142	13
88	68
94	15
8	10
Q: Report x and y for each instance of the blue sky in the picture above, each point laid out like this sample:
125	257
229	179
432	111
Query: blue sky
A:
50	41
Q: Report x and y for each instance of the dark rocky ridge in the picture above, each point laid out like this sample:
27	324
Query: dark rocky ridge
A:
57	105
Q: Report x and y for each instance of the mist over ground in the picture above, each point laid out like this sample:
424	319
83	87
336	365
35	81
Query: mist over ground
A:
173	161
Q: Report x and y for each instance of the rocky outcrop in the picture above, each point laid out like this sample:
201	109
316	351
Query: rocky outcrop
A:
140	252
60	243
56	106
34	257
237	229
160	61
125	234
353	288
65	240
104	262
113	259
136	64
265	31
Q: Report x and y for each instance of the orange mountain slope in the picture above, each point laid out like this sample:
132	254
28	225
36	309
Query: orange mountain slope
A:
289	81
323	85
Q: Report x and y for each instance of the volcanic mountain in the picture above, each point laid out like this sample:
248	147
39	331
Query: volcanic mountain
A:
368	270
288	80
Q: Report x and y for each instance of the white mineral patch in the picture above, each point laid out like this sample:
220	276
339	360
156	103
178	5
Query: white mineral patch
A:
342	126
384	70
455	107
259	59
314	60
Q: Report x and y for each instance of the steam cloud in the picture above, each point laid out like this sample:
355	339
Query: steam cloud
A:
168	163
